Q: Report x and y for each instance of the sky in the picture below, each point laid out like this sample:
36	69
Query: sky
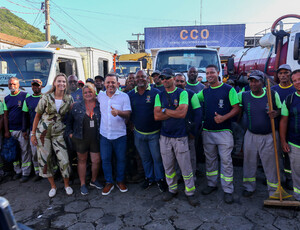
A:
106	25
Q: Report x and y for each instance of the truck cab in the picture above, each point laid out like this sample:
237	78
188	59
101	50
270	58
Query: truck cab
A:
41	63
181	59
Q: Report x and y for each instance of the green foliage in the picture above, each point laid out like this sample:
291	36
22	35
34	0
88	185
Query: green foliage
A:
13	25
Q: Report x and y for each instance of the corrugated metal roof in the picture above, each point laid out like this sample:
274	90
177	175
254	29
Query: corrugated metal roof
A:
12	40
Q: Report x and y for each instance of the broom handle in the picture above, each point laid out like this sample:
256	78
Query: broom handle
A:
269	95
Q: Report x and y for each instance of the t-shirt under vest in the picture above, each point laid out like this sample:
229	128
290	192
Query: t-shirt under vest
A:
196	88
172	127
256	108
293	132
219	99
29	106
142	110
283	91
13	104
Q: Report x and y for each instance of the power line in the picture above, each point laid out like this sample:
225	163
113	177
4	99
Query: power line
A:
20	12
22	5
111	46
69	35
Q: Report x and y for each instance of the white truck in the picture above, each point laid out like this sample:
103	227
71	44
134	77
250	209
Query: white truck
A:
181	59
37	60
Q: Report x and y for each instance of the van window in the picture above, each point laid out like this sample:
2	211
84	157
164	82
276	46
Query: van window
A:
66	66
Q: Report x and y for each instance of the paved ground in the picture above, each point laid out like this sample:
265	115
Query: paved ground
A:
138	209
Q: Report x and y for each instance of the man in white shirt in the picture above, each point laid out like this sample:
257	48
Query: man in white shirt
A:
115	111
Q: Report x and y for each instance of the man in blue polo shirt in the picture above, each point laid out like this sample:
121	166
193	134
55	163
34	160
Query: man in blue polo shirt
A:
146	130
289	131
193	83
13	104
171	107
258	139
285	88
220	105
28	109
75	92
157	81
193	118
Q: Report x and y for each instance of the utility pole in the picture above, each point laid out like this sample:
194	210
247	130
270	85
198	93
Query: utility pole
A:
200	12
47	20
138	40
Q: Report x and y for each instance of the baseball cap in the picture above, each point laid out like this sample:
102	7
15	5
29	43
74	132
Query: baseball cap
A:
80	82
36	81
155	72
257	74
284	66
90	80
100	77
167	72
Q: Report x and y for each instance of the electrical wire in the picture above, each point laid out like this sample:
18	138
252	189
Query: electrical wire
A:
68	34
84	27
23	6
20	12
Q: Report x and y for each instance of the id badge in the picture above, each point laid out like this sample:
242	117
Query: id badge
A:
92	123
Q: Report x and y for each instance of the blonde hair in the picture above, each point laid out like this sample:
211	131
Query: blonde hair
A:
53	86
90	87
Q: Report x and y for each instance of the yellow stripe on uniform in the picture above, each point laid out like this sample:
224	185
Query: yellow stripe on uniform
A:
251	179
214	173
171	176
228	179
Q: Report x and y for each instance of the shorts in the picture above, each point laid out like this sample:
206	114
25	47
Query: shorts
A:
86	145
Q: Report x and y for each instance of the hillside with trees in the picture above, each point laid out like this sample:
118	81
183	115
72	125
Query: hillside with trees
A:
16	26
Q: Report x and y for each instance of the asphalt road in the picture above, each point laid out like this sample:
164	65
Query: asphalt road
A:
140	209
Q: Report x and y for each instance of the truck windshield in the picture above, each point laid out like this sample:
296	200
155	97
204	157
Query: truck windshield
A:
25	66
123	68
182	60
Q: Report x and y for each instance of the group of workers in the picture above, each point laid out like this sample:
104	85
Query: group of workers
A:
166	118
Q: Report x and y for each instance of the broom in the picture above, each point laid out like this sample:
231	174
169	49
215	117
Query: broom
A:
276	199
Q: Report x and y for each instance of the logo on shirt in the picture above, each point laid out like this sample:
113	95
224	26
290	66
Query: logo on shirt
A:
175	102
148	99
19	103
221	104
77	97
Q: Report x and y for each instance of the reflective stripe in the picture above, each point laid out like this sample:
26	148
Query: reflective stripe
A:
26	164
16	163
36	168
272	184
55	167
188	177
171	176
173	187
228	179
252	179
156	131
190	189
214	173
287	170
296	190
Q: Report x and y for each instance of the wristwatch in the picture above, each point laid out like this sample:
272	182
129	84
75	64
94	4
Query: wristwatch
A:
32	134
163	110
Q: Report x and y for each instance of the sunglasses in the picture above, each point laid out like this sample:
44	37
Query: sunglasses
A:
165	77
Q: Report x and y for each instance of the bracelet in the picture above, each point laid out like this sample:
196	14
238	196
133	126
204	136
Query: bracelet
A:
32	134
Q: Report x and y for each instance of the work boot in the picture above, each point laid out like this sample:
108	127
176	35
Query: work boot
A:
24	179
208	190
228	198
247	193
193	201
36	178
162	185
169	196
17	176
147	184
